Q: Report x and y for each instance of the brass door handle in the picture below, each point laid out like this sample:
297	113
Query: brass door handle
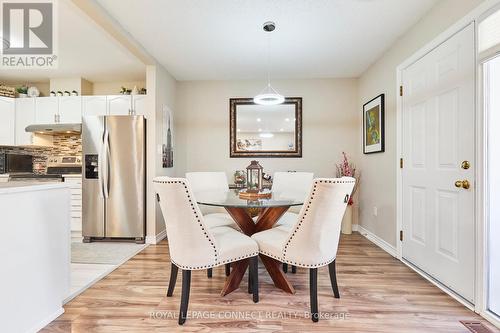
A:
463	184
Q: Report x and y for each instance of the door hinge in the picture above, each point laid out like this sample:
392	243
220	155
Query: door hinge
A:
401	163
401	235
400	90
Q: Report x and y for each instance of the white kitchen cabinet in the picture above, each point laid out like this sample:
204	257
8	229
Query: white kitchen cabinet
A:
25	115
46	110
75	185
94	106
63	109
139	104
7	121
119	105
70	109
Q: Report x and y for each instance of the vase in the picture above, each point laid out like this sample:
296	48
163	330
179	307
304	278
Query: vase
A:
346	226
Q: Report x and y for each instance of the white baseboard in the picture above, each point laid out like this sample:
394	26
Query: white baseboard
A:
377	240
38	326
355	227
156	239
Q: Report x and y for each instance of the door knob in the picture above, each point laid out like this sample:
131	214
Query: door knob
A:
463	184
465	165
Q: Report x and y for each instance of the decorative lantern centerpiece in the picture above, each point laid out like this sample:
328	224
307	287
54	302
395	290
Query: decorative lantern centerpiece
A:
254	177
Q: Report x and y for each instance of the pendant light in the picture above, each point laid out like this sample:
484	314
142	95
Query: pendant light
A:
268	96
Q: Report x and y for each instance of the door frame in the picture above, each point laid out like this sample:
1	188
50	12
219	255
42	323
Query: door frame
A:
472	17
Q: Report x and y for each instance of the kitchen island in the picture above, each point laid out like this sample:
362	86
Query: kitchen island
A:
34	252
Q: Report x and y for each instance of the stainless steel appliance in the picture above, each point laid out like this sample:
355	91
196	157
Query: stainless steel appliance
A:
64	165
114	178
16	163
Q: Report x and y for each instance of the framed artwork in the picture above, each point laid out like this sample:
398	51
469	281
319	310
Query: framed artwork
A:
168	139
373	126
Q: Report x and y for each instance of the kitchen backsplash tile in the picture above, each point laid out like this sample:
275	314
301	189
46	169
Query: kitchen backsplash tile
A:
63	145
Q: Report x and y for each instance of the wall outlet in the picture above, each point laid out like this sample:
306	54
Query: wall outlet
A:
375	211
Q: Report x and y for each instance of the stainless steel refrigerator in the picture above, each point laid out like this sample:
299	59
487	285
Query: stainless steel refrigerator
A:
114	179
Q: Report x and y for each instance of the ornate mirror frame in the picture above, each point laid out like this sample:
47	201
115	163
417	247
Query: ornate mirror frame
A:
233	152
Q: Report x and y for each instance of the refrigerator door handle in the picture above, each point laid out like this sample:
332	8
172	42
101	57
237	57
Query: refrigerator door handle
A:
106	156
100	163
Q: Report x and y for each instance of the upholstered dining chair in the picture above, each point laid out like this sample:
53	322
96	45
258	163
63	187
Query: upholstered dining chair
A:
194	246
292	184
313	240
214	216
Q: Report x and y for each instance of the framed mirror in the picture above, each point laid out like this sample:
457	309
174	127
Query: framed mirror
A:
265	130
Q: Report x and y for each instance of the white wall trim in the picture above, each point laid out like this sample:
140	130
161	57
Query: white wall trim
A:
377	241
492	318
156	239
38	326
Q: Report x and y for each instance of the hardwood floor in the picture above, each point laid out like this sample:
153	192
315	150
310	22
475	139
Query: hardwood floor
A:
378	294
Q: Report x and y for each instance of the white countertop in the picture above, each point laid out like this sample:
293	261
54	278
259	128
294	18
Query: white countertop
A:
15	187
72	175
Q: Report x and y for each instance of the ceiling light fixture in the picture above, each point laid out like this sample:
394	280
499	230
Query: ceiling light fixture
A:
268	96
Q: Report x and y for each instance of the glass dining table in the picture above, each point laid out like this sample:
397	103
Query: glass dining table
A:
269	211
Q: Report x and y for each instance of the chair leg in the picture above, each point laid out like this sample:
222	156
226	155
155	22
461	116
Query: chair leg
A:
249	282
173	279
294	269
228	269
333	279
313	292
209	273
285	268
253	279
186	285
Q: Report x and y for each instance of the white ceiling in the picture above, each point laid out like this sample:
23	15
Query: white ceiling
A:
223	39
85	50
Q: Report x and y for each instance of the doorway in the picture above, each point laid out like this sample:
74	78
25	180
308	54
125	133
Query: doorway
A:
438	140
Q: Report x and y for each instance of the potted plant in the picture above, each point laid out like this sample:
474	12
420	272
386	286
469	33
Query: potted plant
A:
22	91
347	169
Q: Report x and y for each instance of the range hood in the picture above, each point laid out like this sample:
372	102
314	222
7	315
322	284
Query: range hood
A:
55	128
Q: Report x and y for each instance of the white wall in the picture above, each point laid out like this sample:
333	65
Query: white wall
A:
378	184
161	91
330	124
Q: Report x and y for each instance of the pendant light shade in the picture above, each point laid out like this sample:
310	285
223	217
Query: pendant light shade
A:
269	96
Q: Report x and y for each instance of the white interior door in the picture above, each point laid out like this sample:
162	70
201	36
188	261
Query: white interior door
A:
438	140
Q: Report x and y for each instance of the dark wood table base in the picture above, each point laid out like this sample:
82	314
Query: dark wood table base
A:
267	218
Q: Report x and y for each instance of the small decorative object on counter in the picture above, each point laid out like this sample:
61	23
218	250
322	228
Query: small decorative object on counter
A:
135	91
347	169
52	94
254	177
142	91
22	91
59	93
33	91
240	178
74	93
66	93
125	91
6	91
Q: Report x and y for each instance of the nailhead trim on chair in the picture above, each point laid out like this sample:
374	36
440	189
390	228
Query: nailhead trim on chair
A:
194	212
217	262
300	224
